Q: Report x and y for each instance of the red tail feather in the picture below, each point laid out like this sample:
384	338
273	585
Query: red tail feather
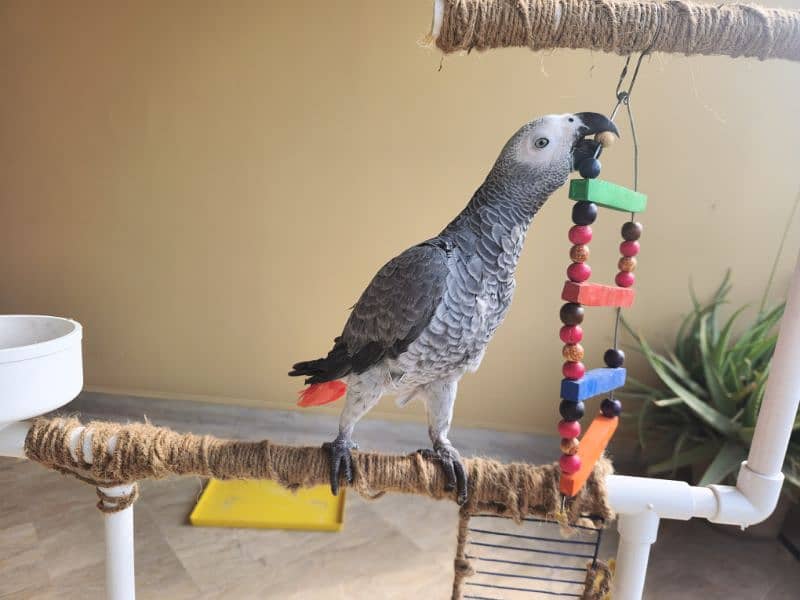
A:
322	393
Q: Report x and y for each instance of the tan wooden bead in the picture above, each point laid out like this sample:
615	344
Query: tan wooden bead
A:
627	264
572	352
579	253
605	138
570	445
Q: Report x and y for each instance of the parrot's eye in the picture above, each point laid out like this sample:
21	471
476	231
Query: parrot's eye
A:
541	142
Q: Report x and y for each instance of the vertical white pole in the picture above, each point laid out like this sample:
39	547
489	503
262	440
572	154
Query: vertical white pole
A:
120	581
637	533
781	398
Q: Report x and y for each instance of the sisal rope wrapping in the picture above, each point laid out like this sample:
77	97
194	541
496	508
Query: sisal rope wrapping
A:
621	26
144	451
597	585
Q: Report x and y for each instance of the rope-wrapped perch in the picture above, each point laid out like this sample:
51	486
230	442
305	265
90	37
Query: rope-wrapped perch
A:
144	451
621	26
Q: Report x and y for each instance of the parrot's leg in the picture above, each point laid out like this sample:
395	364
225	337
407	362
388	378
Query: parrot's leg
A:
440	396
362	395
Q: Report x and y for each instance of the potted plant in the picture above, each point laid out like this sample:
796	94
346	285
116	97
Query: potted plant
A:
699	421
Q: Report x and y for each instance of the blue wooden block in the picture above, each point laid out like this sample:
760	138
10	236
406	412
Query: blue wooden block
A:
594	383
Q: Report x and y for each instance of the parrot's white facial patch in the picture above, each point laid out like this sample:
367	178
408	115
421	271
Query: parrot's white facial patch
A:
547	139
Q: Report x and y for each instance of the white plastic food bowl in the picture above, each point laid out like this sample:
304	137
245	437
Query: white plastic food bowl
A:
41	368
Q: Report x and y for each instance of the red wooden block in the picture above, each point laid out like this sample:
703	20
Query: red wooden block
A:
595	294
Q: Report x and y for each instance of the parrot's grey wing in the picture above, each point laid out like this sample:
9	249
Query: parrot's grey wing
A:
397	304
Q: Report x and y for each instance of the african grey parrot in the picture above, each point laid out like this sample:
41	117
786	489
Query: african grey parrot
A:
426	317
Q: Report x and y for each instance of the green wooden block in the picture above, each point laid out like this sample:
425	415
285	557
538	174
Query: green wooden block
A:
605	193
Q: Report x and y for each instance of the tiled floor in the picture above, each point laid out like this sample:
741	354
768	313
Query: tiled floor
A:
51	537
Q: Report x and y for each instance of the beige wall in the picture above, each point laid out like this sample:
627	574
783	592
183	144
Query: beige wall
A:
208	186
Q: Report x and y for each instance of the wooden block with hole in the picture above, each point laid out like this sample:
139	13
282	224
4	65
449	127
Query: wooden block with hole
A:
605	193
593	444
595	294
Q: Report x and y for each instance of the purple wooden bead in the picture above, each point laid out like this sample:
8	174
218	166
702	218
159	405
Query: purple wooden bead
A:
571	411
611	407
631	231
571	313
614	358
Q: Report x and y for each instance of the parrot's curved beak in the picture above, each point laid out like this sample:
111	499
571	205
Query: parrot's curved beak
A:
589	123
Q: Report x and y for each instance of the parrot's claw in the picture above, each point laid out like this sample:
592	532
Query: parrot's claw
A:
455	474
341	461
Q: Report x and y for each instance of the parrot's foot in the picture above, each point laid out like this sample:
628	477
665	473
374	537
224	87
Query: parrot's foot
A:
455	474
341	460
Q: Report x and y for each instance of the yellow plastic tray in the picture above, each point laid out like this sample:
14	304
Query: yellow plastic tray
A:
267	505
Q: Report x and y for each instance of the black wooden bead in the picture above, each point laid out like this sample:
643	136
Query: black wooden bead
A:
571	314
611	407
614	358
631	231
571	411
584	213
589	168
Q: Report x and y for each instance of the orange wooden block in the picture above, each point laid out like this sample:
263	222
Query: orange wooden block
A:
595	294
593	444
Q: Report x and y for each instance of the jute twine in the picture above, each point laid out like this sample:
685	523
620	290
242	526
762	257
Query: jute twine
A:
111	504
621	26
144	451
598	581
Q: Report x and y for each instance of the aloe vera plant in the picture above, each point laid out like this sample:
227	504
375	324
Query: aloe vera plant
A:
712	383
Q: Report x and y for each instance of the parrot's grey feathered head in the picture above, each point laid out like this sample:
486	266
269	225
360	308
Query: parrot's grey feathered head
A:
541	154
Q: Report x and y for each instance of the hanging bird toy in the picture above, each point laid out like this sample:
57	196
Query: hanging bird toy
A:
578	458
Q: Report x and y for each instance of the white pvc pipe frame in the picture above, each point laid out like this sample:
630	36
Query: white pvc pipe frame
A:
640	502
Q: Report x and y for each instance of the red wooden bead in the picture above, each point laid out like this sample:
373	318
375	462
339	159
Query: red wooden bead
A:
624	279
573	370
579	272
569	429
570	463
571	334
580	234
629	248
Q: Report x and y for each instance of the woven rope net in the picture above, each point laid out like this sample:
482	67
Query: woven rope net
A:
621	26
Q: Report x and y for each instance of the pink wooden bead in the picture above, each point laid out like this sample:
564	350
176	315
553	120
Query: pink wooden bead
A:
571	334
570	463
569	429
629	248
624	279
580	234
573	370
579	272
